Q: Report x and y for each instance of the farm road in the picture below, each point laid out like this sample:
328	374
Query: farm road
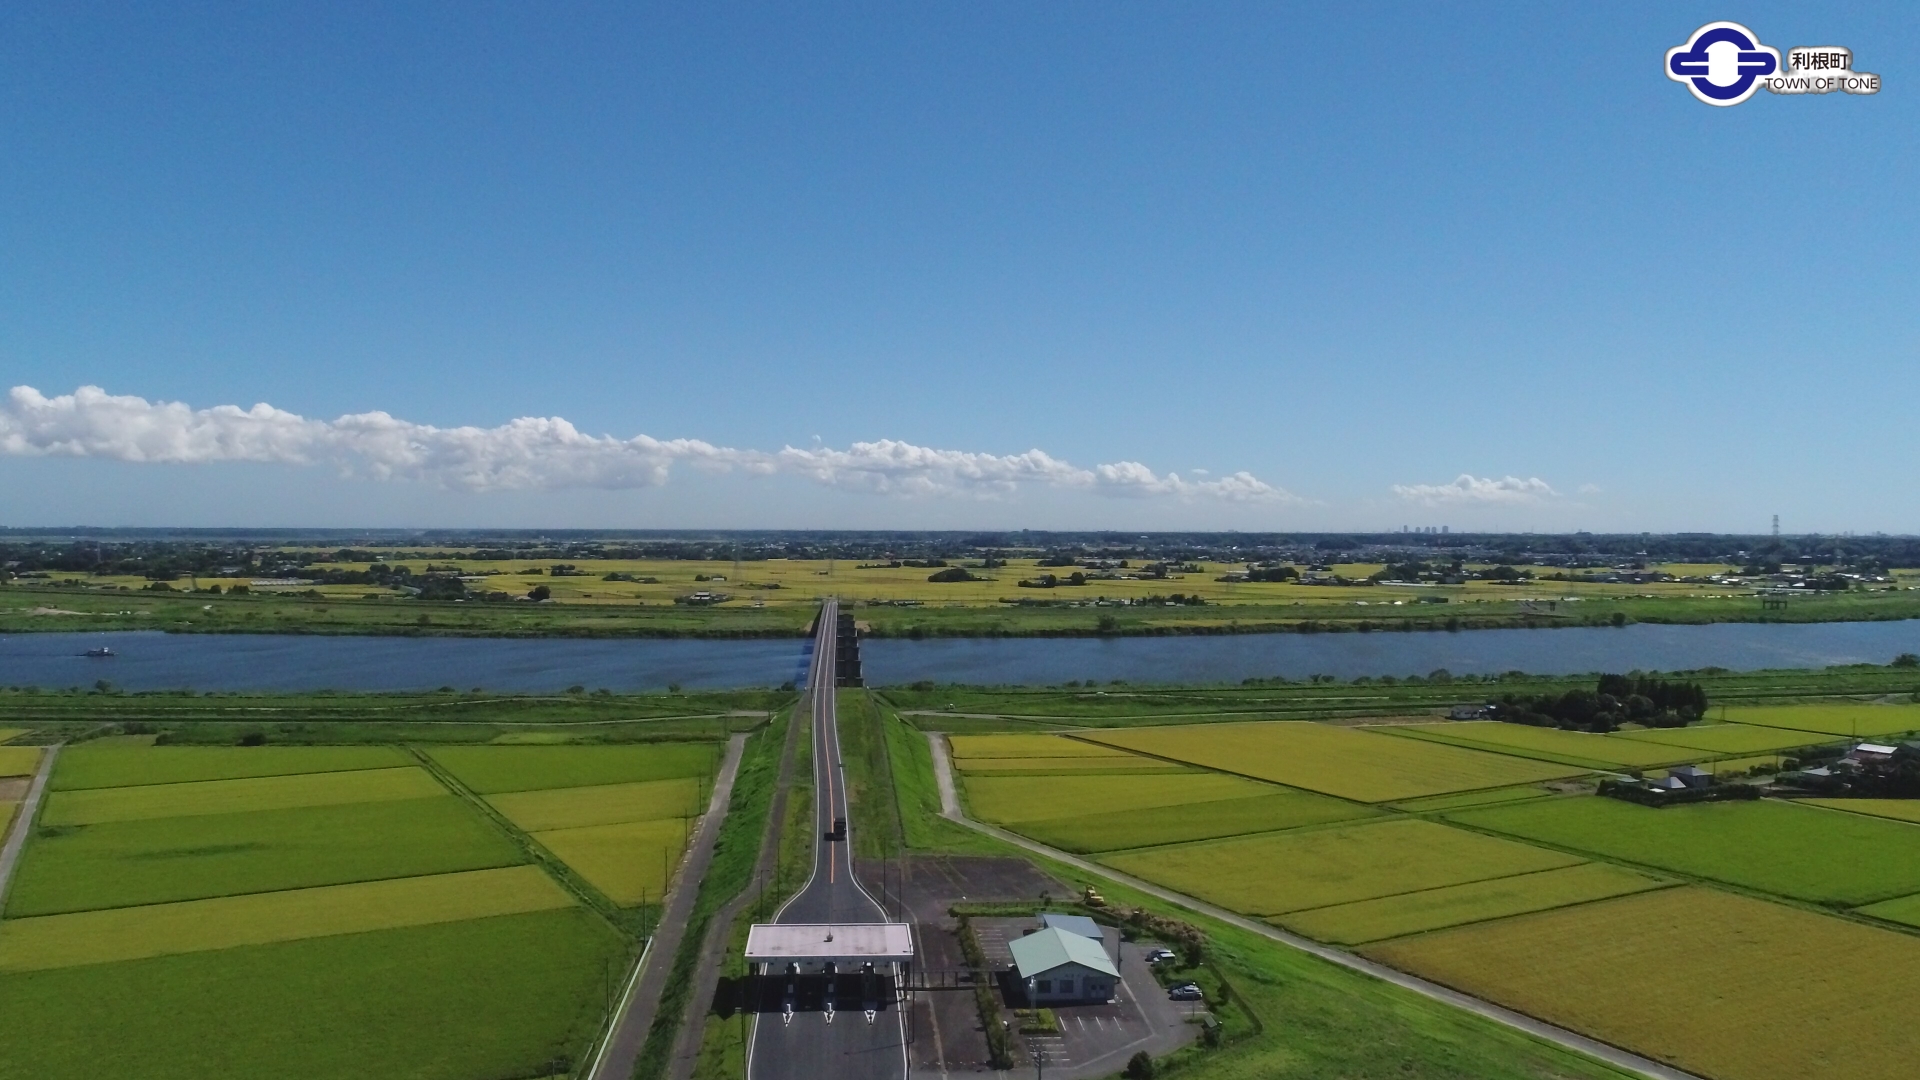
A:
1540	1029
635	1013
23	820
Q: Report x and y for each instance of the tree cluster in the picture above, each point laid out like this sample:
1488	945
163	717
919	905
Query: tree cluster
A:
1617	700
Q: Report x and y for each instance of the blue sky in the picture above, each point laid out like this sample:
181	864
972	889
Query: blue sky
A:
1355	252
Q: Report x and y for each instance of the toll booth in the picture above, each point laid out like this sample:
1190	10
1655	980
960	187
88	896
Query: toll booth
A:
824	967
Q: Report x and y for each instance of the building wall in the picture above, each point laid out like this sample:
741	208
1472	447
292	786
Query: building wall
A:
1080	984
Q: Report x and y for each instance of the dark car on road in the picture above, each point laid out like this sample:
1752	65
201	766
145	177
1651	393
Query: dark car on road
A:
1186	992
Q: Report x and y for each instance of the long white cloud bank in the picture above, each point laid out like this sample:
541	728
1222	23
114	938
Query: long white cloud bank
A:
540	452
1469	490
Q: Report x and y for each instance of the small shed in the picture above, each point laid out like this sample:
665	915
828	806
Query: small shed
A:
1058	967
1074	924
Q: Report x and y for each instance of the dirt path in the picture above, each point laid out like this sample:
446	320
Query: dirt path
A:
23	820
642	999
1540	1029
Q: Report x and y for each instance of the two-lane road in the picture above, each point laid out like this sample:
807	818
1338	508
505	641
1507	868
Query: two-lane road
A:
807	1046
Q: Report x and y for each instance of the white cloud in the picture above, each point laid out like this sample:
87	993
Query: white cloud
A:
539	452
1470	490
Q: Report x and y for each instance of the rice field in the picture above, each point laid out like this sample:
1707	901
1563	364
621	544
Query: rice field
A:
1006	799
1455	905
1359	765
1547	744
493	997
1119	763
1904	910
1717	984
1894	809
1275	873
202	896
98	937
1184	823
606	804
968	748
1487	797
1727	738
1770	846
1841	720
629	862
124	863
97	806
19	760
95	766
9	733
492	770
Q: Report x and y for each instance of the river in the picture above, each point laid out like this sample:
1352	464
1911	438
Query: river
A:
158	661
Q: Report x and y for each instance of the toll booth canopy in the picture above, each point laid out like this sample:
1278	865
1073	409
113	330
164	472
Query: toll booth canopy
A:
810	947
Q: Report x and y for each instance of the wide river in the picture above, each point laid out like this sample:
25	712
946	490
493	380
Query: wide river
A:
155	661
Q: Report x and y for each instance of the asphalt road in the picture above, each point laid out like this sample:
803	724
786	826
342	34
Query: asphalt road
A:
1540	1029
809	1046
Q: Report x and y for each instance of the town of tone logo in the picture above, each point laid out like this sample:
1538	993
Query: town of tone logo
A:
1723	63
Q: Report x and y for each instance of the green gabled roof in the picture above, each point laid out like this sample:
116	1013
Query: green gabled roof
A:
1048	949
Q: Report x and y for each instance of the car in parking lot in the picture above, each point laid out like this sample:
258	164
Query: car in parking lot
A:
1155	956
1187	992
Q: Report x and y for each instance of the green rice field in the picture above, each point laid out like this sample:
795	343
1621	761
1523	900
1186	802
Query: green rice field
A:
1727	738
8	733
1048	766
113	934
94	766
98	806
238	913
1274	873
1792	851
19	760
1455	905
1487	797
1717	984
491	770
122	863
1904	910
1020	798
1183	823
1839	719
480	998
1547	744
1895	809
968	748
607	804
1359	765
628	861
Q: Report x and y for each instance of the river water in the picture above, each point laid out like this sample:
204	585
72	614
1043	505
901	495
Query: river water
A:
157	661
